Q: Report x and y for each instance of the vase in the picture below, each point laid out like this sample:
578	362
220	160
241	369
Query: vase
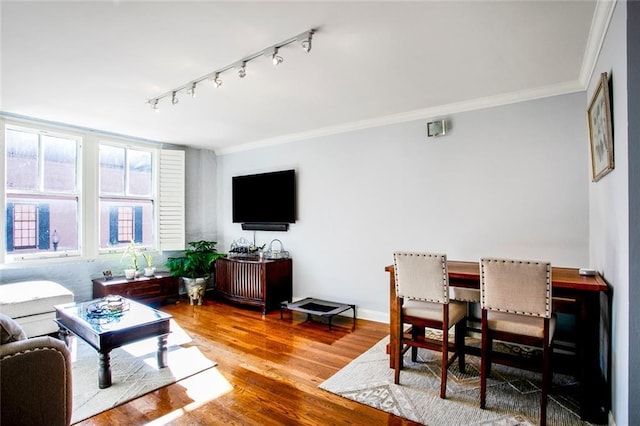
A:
129	274
149	271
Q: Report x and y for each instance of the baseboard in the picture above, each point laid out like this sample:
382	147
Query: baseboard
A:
370	315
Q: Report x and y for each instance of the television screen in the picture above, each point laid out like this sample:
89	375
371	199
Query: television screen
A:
264	198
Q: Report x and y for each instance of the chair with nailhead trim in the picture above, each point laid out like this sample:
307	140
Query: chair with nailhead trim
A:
515	296
422	290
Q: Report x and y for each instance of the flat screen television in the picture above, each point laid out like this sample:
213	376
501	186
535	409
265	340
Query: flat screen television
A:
264	198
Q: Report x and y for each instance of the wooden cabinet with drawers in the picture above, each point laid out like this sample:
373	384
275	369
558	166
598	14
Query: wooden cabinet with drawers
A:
161	288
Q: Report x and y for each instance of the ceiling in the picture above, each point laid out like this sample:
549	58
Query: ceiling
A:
94	64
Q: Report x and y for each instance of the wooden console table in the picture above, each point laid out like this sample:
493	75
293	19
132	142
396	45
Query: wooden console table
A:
586	296
251	281
161	288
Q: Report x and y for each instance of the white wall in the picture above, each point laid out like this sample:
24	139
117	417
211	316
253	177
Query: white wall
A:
201	195
609	211
506	181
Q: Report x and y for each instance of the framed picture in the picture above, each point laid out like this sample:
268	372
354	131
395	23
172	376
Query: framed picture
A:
600	130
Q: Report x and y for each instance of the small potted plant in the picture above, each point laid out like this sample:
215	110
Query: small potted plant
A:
132	253
195	267
149	270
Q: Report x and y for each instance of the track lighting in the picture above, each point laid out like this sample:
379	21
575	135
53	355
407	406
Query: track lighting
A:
272	52
192	90
305	40
217	81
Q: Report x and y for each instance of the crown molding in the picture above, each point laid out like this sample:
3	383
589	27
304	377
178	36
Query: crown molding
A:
453	108
599	26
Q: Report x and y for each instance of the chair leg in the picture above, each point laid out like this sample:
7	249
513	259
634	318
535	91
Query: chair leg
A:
398	352
461	332
445	362
546	374
483	361
416	334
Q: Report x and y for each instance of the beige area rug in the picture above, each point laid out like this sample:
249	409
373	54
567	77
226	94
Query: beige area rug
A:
513	396
134	372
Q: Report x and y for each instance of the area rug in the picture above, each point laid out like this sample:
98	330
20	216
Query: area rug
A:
513	395
134	371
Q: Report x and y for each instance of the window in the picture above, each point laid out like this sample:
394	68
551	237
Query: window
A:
42	192
49	213
24	226
125	224
127	196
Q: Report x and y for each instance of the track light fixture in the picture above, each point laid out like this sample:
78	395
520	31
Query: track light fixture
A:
273	54
217	81
192	90
242	70
304	39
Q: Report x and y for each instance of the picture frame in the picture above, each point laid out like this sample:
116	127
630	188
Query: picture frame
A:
600	130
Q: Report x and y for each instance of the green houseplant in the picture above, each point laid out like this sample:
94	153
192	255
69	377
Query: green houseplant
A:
149	270
194	267
131	252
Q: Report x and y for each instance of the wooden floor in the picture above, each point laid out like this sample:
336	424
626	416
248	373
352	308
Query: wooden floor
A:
268	372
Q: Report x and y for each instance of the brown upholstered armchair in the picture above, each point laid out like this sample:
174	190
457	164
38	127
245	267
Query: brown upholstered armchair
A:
35	382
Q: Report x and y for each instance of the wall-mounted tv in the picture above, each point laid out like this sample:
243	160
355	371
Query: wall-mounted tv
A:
265	198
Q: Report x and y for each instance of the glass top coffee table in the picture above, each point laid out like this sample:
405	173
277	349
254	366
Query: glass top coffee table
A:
111	322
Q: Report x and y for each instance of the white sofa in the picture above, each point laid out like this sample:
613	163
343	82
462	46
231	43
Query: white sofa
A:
31	304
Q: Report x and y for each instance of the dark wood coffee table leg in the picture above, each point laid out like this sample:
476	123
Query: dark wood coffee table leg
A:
64	334
104	370
162	351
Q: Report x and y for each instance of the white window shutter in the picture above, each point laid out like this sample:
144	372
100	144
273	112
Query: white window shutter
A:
171	227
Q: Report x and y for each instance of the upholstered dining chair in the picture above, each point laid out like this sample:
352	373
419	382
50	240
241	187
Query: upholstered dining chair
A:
422	290
515	297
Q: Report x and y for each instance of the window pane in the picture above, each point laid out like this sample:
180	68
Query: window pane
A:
22	160
24	235
111	170
122	221
41	224
139	173
59	164
125	224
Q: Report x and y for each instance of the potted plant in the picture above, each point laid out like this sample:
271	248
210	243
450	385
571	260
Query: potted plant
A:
149	270
194	267
132	253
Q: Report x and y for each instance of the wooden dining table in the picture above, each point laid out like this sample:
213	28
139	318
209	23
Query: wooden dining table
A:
586	297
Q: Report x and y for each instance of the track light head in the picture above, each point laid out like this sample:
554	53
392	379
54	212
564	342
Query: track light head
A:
272	53
217	81
192	90
242	70
305	40
154	105
174	98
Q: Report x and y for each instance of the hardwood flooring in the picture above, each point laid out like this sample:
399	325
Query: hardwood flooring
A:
268	372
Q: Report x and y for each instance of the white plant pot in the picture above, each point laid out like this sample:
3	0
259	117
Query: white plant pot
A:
149	271
195	289
129	274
